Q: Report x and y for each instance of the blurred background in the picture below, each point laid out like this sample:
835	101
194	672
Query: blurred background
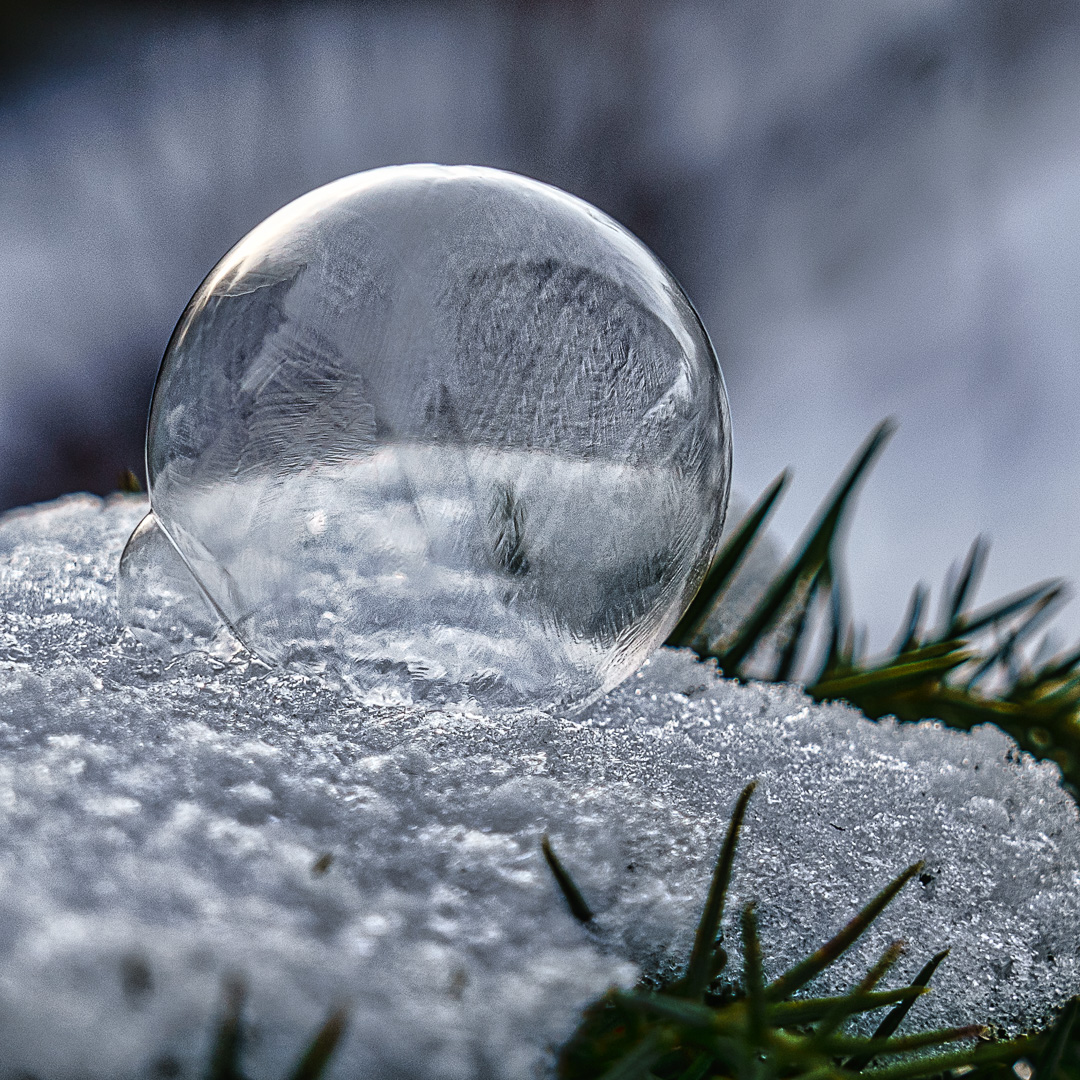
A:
875	205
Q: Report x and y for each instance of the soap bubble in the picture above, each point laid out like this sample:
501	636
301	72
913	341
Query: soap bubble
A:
442	433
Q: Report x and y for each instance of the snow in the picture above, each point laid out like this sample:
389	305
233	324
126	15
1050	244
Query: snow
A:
160	826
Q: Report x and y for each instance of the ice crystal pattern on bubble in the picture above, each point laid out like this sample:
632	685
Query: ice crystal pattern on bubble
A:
443	431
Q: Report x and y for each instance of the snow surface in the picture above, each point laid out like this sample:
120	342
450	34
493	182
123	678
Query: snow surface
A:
160	828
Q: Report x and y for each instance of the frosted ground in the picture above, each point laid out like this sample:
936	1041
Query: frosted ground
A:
160	828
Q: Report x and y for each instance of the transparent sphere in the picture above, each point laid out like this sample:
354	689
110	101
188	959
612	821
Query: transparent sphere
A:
448	433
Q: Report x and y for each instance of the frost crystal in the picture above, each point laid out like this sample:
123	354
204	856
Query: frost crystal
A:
164	826
447	431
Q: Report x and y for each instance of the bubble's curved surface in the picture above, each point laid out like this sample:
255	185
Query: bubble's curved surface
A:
446	430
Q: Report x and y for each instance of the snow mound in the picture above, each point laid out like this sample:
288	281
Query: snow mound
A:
163	828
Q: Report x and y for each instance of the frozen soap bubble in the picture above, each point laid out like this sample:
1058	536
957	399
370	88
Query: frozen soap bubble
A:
444	433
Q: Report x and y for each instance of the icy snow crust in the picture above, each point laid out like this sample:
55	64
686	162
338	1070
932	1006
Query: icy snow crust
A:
160	829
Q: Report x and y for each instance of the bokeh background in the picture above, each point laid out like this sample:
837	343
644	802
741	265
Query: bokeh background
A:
875	205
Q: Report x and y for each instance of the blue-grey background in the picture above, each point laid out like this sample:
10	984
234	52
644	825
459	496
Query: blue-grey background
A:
874	204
